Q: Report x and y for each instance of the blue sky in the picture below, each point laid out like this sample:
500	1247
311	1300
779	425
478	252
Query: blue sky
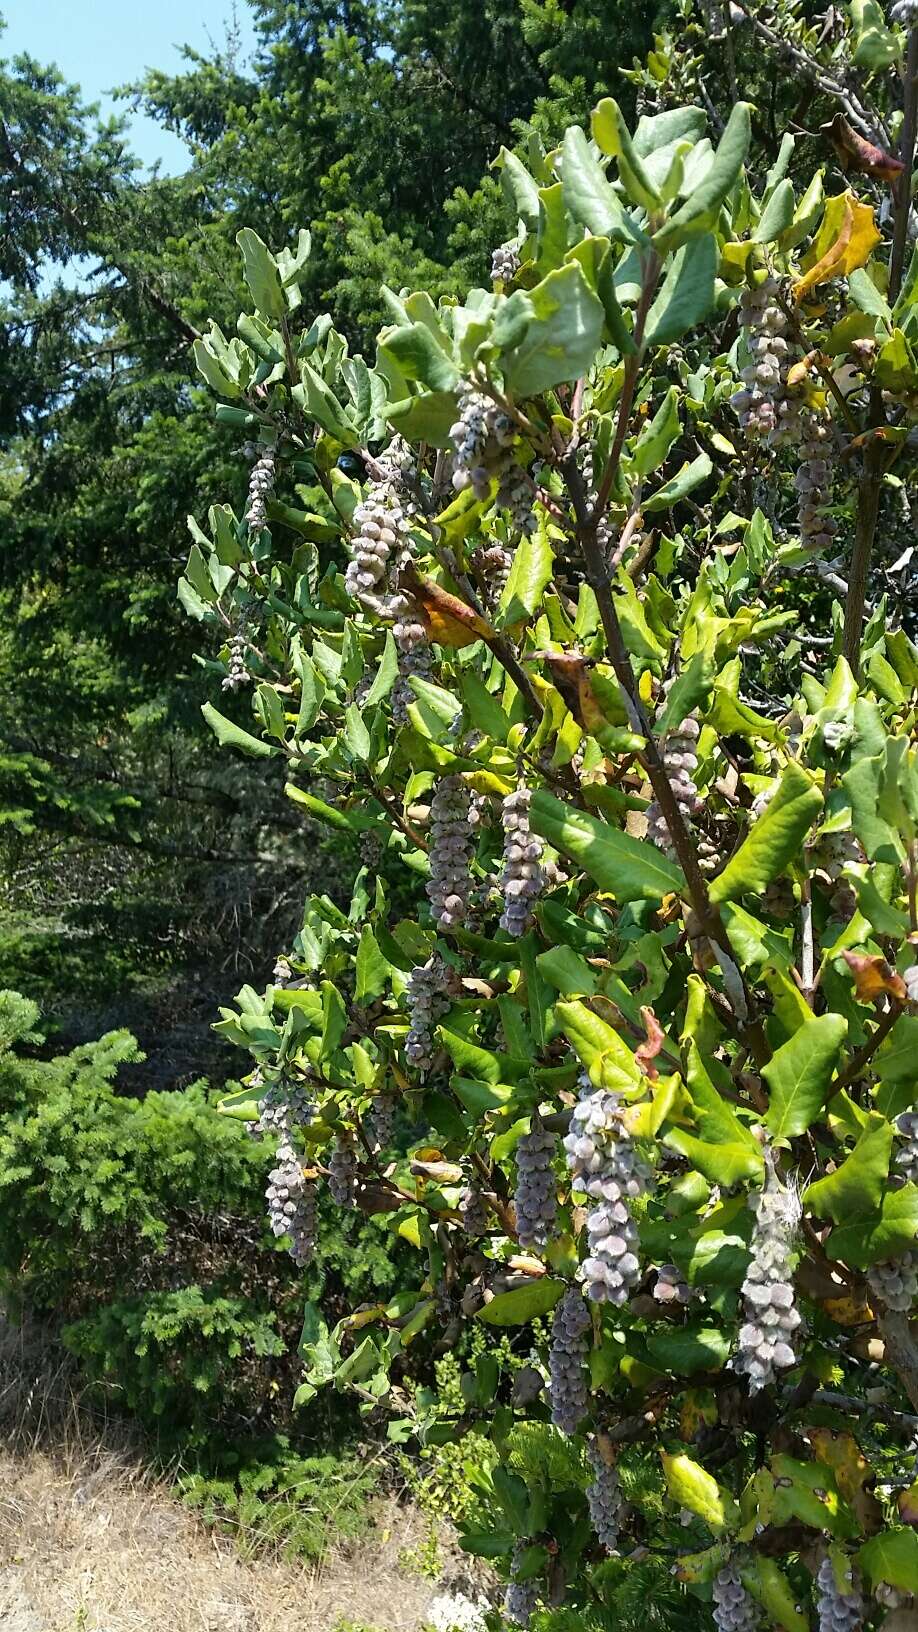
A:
103	43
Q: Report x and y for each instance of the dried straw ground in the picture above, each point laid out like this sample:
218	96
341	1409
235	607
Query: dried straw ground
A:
89	1543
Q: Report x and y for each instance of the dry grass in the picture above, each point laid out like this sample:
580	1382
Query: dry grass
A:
90	1543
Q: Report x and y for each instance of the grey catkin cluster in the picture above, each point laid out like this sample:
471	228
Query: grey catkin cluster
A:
380	528
761	404
342	1171
671	1286
473	1210
283	1107
605	1166
523	879
588	471
492	563
427	997
380	1121
906	1159
261	486
680	760
505	262
451	849
535	1198
895	1282
414	658
838	1611
567	1387
291	1199
237	672
484	438
813	483
604	1496
771	1317
521	1597
734	1608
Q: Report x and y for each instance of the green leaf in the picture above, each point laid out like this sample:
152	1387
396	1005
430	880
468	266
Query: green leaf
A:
691	1486
385	676
607	1059
691	687
356	735
799	1074
876	46
657	437
519	188
318	808
260	272
216	376
771	1587
773	840
529	575
563	336
627	868
419	357
700	210
690	476
807	1491
228	734
776	216
856	1187
522	1303
334	1012
371	968
887	1234
892	1556
483	709
687	295
612	136
590	196
687	1350
320	401
564	969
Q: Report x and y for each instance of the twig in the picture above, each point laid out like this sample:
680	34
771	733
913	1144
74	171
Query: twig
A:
864	1055
907	155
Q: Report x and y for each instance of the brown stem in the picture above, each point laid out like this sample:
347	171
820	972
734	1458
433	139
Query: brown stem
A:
902	1349
864	1055
651	278
907	155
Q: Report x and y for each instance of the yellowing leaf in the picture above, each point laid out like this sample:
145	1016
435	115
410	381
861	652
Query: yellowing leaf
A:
844	242
692	1487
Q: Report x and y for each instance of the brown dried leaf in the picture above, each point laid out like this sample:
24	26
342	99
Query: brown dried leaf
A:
648	1051
855	153
874	978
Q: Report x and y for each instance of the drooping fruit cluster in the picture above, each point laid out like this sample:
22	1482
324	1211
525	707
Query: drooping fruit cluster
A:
291	1199
473	1210
451	847
342	1171
895	1282
381	527
505	262
236	670
567	1386
838	1611
535	1198
734	1609
771	1317
759	402
588	471
261	486
813	483
605	1166
414	657
484	438
671	1286
523	880
283	1106
680	759
427	998
492	563
380	1122
604	1496
521	1597
906	1159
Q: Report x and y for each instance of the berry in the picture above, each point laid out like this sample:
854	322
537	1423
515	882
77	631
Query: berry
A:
291	1199
451	847
761	405
473	1210
895	1282
605	1165
838	1611
261	486
907	1154
734	1610
771	1317
381	527
380	1122
521	1597
236	671
680	760
535	1199
427	998
812	482
342	1171
604	1497
523	879
505	262
671	1286
567	1387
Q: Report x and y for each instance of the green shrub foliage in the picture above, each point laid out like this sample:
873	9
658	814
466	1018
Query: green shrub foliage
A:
139	1224
539	604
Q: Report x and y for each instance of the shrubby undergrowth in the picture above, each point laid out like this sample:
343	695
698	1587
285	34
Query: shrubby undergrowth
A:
541	602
